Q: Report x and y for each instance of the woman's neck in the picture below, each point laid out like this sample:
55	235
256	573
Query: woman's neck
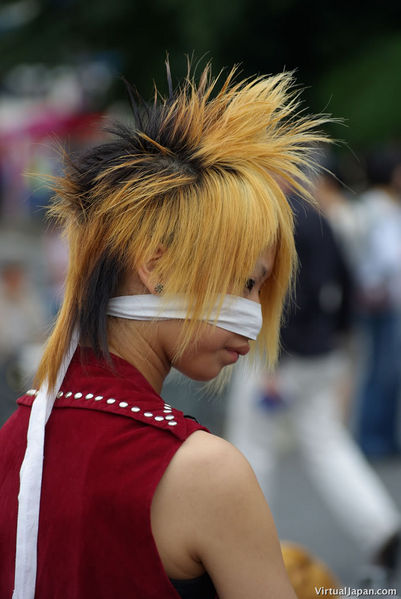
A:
138	343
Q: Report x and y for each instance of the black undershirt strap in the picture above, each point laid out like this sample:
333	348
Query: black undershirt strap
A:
195	588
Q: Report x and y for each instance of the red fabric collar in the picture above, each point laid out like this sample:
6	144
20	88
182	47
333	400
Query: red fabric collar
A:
118	388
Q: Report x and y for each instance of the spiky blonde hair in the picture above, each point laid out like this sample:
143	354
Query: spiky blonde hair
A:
201	176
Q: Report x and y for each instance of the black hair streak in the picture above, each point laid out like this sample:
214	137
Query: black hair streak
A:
100	287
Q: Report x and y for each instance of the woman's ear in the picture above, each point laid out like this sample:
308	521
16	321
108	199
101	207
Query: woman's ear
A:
146	273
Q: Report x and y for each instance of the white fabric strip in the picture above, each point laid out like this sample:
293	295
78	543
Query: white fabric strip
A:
238	315
31	483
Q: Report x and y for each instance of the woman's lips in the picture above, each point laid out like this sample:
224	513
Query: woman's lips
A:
235	352
242	350
233	355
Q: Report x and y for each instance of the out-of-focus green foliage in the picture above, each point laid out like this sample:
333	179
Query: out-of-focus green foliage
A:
346	53
366	90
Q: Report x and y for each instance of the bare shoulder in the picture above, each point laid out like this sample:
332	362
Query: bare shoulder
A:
212	459
204	475
189	493
225	522
217	481
211	473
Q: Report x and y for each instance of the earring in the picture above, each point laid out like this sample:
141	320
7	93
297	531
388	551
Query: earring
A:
159	288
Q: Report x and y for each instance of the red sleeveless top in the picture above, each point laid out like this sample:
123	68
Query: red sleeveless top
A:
108	441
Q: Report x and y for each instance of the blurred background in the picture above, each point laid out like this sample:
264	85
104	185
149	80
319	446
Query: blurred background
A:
61	63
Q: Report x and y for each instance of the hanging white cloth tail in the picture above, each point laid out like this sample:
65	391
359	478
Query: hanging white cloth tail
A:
31	483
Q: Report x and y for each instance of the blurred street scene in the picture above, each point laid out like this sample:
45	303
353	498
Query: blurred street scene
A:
323	432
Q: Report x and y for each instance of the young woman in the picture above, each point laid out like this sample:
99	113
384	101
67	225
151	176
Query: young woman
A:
181	242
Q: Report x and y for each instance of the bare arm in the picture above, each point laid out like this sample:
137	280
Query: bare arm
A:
216	511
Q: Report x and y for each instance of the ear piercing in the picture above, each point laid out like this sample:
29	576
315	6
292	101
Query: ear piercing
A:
159	288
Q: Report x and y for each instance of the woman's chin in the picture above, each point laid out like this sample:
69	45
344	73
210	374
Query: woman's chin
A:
205	375
218	384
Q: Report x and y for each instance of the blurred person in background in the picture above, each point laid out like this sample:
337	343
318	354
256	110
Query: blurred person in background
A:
22	329
337	209
375	253
302	401
181	252
55	253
